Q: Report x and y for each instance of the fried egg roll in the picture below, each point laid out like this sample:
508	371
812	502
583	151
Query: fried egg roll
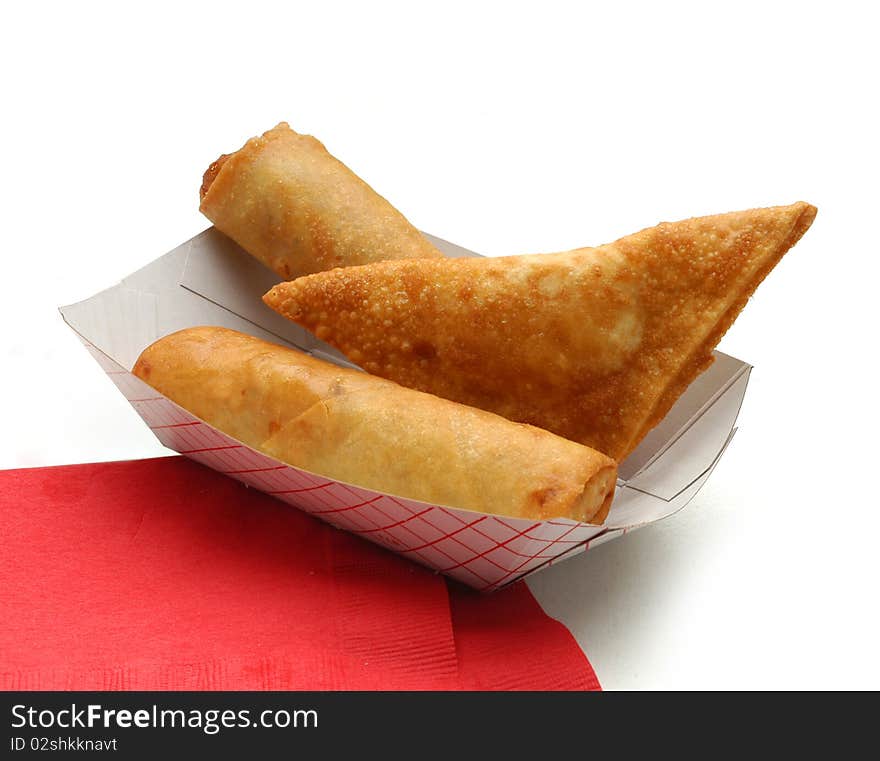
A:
363	430
285	200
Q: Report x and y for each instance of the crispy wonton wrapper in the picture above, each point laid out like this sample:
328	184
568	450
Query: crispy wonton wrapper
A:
594	344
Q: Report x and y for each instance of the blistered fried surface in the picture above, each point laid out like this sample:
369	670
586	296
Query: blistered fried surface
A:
594	344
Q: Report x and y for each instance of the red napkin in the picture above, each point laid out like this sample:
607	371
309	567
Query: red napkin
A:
162	574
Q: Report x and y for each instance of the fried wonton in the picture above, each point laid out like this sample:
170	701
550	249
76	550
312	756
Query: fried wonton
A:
594	344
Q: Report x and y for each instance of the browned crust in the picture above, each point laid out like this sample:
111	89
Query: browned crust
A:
486	333
218	179
364	430
601	514
701	359
296	208
211	174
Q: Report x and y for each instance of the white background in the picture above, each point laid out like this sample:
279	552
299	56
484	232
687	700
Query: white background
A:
507	129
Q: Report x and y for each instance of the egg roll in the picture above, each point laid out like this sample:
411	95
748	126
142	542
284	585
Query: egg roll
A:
594	344
354	427
286	201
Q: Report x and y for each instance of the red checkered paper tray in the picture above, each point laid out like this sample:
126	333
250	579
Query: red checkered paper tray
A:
209	280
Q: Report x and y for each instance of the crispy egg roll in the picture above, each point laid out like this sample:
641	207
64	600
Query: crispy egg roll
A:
594	344
285	200
354	427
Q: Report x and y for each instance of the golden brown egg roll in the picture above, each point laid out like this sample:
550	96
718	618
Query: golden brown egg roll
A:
354	427
285	200
594	344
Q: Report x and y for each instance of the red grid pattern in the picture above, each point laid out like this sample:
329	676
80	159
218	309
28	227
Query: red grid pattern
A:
483	551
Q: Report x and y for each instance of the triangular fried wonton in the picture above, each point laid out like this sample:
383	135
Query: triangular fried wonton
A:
594	344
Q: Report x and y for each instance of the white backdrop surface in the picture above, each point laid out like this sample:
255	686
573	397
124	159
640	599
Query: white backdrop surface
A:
507	128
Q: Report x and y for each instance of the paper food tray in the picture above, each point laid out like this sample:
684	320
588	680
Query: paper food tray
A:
209	280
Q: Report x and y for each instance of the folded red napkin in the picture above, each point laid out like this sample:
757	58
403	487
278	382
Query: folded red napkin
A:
162	574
